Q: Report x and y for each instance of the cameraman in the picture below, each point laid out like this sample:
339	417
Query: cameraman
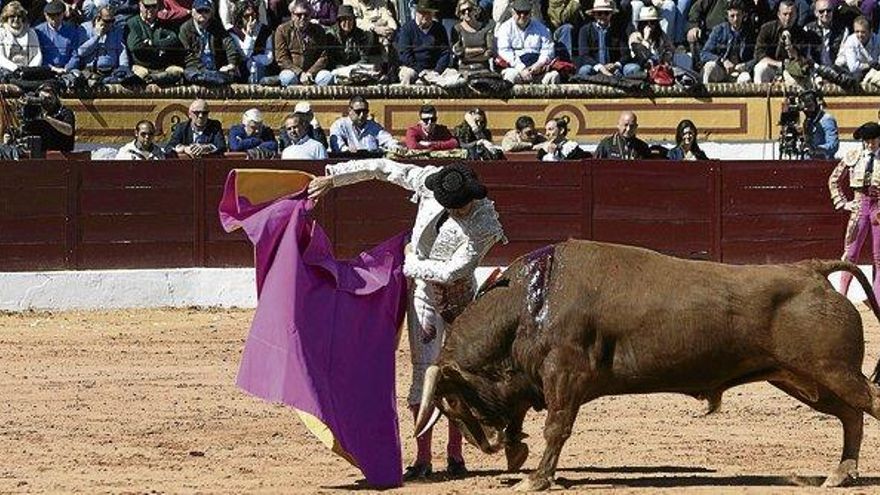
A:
56	123
820	127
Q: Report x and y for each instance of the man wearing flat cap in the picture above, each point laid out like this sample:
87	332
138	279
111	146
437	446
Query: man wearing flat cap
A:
58	38
864	180
455	227
423	46
526	46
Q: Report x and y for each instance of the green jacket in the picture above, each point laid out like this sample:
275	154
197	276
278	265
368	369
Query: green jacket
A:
154	47
561	12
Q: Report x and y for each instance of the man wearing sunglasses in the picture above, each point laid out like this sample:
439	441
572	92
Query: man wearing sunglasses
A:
427	134
359	135
212	59
526	47
143	147
302	49
198	136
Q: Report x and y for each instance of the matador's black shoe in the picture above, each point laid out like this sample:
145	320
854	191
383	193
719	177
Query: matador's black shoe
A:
417	472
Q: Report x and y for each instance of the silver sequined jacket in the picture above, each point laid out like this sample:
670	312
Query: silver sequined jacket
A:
443	257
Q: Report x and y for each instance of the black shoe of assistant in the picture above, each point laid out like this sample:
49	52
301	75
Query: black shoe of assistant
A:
417	472
455	468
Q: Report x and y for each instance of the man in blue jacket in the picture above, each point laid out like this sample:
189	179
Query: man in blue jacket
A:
820	127
423	45
102	58
252	134
729	52
197	136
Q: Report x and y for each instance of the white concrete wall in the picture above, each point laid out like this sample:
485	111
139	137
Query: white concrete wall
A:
109	289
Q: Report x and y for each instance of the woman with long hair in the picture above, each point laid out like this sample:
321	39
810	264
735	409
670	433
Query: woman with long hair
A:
686	147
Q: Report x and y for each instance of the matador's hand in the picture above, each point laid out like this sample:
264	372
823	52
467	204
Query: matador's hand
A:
320	186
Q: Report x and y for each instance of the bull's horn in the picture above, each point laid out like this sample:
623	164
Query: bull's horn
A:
433	419
430	383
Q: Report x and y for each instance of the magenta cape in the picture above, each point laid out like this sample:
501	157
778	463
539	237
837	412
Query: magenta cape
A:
324	333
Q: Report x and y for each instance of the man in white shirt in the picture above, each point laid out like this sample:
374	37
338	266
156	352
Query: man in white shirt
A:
357	133
527	47
302	147
143	147
860	51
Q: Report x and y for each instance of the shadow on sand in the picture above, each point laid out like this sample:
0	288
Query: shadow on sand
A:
654	477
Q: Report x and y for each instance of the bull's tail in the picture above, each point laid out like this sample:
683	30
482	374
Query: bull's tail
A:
828	267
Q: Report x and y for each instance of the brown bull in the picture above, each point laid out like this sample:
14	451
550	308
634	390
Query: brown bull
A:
583	320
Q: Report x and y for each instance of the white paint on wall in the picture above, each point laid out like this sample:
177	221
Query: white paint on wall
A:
180	287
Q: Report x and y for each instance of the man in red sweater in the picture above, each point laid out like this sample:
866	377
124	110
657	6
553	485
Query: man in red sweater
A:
428	134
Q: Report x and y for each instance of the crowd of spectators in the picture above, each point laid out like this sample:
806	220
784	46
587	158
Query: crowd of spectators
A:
361	42
356	134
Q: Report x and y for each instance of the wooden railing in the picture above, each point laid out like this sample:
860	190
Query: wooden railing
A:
71	214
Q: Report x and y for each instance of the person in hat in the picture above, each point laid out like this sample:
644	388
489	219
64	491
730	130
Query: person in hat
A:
302	49
355	50
601	48
861	167
526	47
251	133
212	59
423	46
253	39
58	38
102	58
455	226
156	52
19	46
729	52
427	134
649	45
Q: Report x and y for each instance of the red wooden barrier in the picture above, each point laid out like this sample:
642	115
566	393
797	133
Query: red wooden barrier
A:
69	214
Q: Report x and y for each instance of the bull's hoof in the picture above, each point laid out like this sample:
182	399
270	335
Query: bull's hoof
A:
530	484
516	455
845	474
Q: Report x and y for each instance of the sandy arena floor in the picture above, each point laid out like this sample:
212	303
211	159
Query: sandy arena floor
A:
145	402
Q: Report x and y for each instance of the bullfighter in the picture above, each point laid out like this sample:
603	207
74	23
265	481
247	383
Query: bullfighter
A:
455	227
864	208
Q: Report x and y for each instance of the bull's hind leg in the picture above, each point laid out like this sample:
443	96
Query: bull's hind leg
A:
823	400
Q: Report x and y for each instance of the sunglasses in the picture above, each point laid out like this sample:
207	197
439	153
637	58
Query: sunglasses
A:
465	11
290	128
523	12
429	120
200	112
300	14
360	111
146	134
825	11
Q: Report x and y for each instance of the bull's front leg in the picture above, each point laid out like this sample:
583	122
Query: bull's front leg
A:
557	429
514	449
